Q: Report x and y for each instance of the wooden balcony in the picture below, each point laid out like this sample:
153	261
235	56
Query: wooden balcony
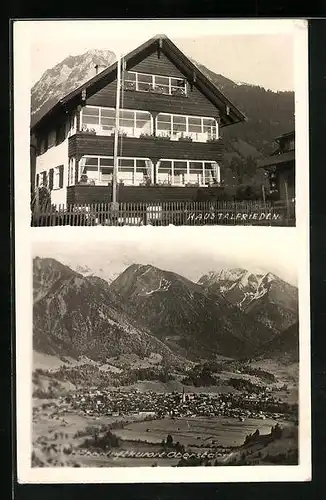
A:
150	147
87	194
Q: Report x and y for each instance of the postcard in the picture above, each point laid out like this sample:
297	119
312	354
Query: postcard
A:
162	251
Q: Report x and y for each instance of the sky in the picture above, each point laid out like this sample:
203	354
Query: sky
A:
257	52
188	251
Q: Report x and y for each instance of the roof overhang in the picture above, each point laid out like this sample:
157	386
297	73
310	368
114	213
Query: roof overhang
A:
288	135
278	160
229	113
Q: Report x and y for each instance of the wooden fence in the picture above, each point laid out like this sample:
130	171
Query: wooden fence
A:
166	213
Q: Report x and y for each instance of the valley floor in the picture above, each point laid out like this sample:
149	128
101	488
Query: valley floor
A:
62	437
248	416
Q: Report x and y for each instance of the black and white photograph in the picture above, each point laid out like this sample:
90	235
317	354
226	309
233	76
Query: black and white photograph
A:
167	348
161	128
145	353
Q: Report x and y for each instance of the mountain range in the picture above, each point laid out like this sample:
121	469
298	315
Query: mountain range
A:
76	316
269	113
263	296
147	310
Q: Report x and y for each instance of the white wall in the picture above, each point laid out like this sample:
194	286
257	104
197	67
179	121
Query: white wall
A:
53	157
59	196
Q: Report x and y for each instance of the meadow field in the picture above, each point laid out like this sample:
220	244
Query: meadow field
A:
197	431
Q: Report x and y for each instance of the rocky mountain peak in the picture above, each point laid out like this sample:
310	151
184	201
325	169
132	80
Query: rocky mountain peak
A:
256	292
46	273
143	280
65	77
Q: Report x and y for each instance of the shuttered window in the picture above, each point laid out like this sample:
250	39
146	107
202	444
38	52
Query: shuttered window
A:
43	177
51	171
57	173
61	170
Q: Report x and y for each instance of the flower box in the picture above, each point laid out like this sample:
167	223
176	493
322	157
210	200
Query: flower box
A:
185	139
176	91
88	131
129	85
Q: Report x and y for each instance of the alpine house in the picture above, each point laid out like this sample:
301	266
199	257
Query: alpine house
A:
147	128
280	167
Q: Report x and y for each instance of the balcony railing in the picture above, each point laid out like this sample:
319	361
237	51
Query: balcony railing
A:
202	137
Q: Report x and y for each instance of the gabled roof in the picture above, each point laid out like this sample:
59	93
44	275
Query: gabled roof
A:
230	113
279	159
288	135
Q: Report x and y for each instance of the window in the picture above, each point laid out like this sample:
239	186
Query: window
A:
131	171
164	125
179	125
195	128
134	171
106	170
145	82
212	173
164	173
71	172
107	119
99	119
72	124
58	177
126	171
196	173
91	115
143	123
90	170
181	173
102	120
43	179
209	128
51	173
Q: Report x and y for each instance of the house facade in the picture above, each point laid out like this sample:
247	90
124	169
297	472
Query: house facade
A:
280	167
169	142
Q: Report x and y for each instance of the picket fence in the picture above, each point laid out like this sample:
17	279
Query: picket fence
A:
166	213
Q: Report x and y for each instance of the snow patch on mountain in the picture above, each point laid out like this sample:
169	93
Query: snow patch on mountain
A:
248	285
163	287
90	272
249	297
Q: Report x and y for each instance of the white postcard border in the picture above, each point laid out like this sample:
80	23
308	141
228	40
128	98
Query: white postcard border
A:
23	278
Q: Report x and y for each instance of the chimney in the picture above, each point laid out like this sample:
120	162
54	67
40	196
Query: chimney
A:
99	68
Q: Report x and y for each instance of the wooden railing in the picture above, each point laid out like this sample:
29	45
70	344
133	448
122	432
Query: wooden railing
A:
166	213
